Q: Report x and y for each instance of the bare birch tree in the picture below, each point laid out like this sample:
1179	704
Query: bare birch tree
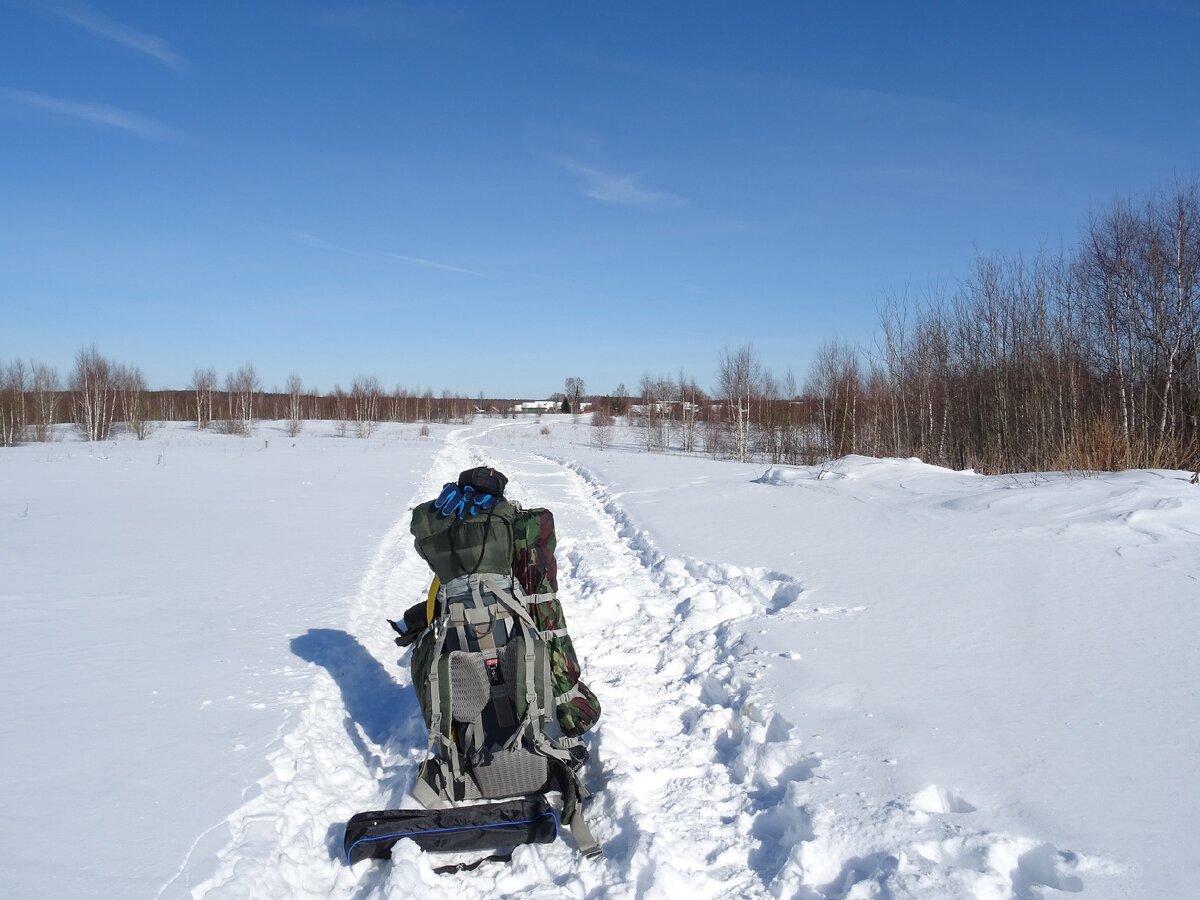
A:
45	401
365	398
241	393
690	397
573	388
203	383
739	376
13	386
95	399
295	392
130	386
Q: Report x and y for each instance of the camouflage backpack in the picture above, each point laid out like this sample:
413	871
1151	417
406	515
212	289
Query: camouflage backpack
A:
536	570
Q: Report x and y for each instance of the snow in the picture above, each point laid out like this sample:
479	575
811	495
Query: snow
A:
875	679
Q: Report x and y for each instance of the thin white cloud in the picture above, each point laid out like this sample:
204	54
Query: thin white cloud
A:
432	264
102	26
619	190
95	113
311	240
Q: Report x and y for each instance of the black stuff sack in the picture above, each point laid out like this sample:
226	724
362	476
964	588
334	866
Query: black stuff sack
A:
486	826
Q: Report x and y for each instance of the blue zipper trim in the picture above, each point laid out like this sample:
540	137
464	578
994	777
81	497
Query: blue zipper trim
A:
403	834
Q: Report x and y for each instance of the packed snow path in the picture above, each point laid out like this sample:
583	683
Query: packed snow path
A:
701	790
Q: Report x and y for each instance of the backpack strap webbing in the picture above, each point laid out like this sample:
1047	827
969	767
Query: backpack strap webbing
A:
441	720
471	866
512	604
423	793
588	846
570	786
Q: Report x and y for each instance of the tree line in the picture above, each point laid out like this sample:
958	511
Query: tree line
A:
1084	359
101	396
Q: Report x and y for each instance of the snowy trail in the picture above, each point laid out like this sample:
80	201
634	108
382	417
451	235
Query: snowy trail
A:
355	739
670	802
701	790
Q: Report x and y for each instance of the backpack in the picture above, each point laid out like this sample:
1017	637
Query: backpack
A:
536	570
484	668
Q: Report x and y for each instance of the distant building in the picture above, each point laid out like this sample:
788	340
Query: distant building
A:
537	406
662	407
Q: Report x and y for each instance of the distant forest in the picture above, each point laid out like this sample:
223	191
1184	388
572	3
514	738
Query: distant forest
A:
1084	360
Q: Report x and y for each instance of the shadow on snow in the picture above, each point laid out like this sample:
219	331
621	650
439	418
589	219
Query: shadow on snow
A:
379	707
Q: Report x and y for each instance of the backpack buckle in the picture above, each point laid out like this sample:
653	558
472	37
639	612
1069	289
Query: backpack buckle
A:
494	673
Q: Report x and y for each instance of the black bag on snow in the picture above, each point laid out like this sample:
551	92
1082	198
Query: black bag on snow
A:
493	826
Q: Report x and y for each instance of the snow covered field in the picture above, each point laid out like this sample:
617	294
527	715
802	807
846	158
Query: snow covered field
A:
888	681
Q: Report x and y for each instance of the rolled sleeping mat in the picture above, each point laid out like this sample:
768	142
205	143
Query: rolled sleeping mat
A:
483	826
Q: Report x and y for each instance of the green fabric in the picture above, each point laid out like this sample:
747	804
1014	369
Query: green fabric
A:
538	648
476	544
420	664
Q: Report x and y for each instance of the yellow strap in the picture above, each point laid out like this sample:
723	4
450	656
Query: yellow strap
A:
431	600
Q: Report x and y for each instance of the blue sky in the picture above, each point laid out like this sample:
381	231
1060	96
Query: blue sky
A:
493	196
